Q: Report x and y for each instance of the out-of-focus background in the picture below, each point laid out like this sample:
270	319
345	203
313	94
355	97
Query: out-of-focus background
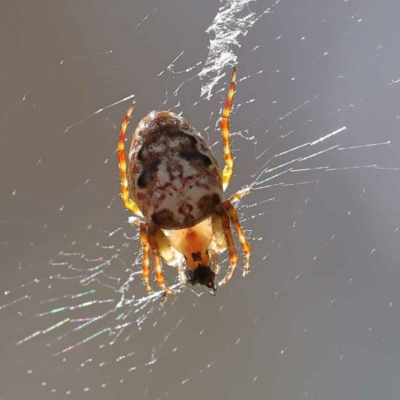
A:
315	131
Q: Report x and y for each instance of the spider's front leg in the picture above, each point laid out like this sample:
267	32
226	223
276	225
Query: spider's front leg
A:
225	131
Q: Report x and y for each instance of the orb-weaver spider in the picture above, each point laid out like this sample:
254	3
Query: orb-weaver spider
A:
178	188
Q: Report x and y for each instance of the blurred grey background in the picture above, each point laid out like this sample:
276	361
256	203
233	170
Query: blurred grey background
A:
319	315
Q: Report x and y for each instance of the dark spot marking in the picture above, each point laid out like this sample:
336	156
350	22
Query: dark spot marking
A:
140	155
208	203
185	208
194	156
192	140
148	173
165	219
196	256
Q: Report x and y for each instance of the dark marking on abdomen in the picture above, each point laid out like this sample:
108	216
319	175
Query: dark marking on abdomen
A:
196	157
208	203
148	173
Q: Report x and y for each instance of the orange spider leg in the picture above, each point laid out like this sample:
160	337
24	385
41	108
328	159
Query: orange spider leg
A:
146	258
151	235
128	202
233	215
224	123
230	243
239	195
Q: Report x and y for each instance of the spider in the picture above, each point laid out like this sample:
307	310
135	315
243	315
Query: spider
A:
178	203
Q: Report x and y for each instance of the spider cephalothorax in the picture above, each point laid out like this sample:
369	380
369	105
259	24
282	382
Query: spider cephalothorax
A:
178	189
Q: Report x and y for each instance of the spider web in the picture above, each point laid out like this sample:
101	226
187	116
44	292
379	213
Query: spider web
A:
315	135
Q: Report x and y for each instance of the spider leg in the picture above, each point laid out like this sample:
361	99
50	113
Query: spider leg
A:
181	272
135	221
169	256
230	243
219	244
233	215
239	195
152	233
128	202
164	248
224	123
146	258
214	257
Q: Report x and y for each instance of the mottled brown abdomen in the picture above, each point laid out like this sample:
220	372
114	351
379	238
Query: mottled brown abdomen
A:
174	176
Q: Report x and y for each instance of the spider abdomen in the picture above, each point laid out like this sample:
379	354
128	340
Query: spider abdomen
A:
174	176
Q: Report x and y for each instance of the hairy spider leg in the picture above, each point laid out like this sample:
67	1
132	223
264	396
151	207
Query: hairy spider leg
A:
153	232
224	123
128	202
233	215
146	257
233	257
239	195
